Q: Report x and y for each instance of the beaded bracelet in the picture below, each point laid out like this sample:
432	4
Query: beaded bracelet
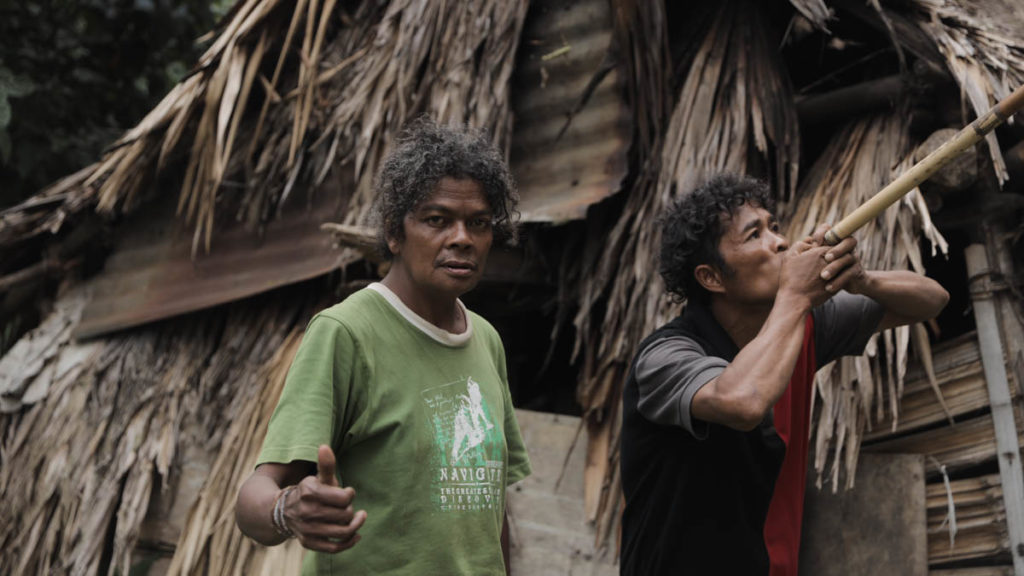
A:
277	516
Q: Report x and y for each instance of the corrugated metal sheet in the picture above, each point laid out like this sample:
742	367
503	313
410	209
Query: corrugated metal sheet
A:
151	275
563	45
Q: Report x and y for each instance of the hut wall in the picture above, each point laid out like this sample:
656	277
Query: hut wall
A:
961	459
549	534
960	452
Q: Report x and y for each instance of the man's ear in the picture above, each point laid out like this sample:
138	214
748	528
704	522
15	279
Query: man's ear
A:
394	246
710	278
393	241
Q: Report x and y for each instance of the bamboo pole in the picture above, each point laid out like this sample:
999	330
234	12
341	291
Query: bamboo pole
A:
1007	446
918	173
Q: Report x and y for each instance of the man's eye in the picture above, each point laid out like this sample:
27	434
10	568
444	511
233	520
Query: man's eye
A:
435	220
480	223
754	235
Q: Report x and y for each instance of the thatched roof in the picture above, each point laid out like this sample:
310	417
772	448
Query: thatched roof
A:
862	158
736	92
110	419
379	67
621	296
335	87
983	47
128	398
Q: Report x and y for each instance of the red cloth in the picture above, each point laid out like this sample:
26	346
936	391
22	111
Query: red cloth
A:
792	421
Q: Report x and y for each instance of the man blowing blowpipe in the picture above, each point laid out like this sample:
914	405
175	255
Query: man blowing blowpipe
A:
716	404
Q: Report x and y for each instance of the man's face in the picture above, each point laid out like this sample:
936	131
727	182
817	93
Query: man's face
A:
752	248
447	239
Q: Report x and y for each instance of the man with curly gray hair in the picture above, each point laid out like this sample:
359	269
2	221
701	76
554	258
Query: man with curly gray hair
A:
716	407
430	153
401	390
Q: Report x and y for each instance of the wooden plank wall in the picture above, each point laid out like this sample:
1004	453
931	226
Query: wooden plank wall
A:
549	532
876	528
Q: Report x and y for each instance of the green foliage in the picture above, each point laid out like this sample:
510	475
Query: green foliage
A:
11	86
75	74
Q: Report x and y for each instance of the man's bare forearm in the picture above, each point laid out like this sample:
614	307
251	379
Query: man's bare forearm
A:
253	509
754	381
906	296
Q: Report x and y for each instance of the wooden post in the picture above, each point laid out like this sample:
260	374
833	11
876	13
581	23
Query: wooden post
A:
1007	301
1007	448
837	106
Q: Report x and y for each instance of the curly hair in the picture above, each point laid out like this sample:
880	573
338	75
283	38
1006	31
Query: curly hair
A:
692	228
424	154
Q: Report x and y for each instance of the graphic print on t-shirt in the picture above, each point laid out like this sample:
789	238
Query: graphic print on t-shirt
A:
467	465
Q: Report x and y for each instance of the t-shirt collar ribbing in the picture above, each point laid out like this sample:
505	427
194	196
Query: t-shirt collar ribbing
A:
439	335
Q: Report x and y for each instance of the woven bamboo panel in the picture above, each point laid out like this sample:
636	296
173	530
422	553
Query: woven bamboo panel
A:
982	571
980	520
969	443
960	378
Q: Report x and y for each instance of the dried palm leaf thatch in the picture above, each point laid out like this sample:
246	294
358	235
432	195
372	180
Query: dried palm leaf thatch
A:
80	464
983	46
814	10
641	37
957	371
342	86
736	98
453	61
210	543
43	358
861	159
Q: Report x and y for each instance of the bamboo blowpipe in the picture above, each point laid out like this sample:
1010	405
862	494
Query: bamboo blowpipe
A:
921	171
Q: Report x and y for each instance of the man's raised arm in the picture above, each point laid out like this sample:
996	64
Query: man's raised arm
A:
907	297
753	382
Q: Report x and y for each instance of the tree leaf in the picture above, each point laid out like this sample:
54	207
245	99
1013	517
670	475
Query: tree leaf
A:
14	86
5	111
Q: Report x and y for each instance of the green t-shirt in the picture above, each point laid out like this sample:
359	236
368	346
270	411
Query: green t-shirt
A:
422	425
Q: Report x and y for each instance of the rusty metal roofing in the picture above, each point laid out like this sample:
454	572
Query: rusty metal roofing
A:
151	275
563	46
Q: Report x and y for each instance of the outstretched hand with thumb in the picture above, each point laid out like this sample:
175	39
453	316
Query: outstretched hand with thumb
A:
325	466
320	512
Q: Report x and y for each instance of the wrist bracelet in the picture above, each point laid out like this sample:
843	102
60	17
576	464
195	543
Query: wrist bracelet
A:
277	515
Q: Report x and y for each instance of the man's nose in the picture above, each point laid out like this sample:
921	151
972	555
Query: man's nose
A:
460	235
781	243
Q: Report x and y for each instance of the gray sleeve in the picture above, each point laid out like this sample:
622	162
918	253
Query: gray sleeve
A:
843	325
669	372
